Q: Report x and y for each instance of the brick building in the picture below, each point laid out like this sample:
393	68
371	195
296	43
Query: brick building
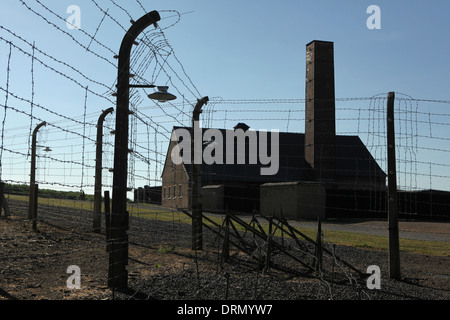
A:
311	165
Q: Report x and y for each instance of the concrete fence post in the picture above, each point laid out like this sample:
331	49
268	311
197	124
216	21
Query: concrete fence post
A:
394	250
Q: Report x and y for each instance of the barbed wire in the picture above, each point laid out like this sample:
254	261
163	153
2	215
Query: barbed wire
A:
34	48
68	34
5	106
33	57
422	132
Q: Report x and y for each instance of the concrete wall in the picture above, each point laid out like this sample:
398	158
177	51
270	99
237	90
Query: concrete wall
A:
293	200
213	198
360	183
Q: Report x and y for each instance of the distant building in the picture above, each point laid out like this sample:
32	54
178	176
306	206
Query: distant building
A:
147	194
237	186
311	165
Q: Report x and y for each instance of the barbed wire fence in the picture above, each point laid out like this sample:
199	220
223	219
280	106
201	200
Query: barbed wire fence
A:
66	145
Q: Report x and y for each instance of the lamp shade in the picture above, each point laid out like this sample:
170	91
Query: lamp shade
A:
162	95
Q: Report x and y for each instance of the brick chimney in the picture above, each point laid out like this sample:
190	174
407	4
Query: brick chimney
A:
320	123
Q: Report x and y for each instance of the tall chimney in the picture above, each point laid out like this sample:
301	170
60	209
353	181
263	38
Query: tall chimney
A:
320	126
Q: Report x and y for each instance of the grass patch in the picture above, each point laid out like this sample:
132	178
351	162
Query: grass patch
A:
382	243
336	237
350	239
169	249
54	202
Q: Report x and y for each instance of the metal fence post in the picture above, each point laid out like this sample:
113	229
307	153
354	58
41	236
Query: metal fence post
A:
31	200
196	190
96	219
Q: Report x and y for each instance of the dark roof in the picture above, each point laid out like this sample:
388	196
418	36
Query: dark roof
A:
352	159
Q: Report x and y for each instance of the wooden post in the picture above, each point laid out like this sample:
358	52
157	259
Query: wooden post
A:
226	240
2	198
35	206
269	246
6	207
270	224
318	251
268	253
107	215
394	247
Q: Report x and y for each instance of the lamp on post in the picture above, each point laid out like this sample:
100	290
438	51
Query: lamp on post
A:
162	95
118	241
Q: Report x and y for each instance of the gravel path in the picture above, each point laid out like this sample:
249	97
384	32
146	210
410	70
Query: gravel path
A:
162	266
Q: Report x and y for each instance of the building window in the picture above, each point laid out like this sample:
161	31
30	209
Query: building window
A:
180	191
168	192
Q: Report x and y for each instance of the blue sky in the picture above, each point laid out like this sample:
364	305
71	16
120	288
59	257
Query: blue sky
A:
252	49
256	49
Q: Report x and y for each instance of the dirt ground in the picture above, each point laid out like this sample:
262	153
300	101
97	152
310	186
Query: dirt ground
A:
33	266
